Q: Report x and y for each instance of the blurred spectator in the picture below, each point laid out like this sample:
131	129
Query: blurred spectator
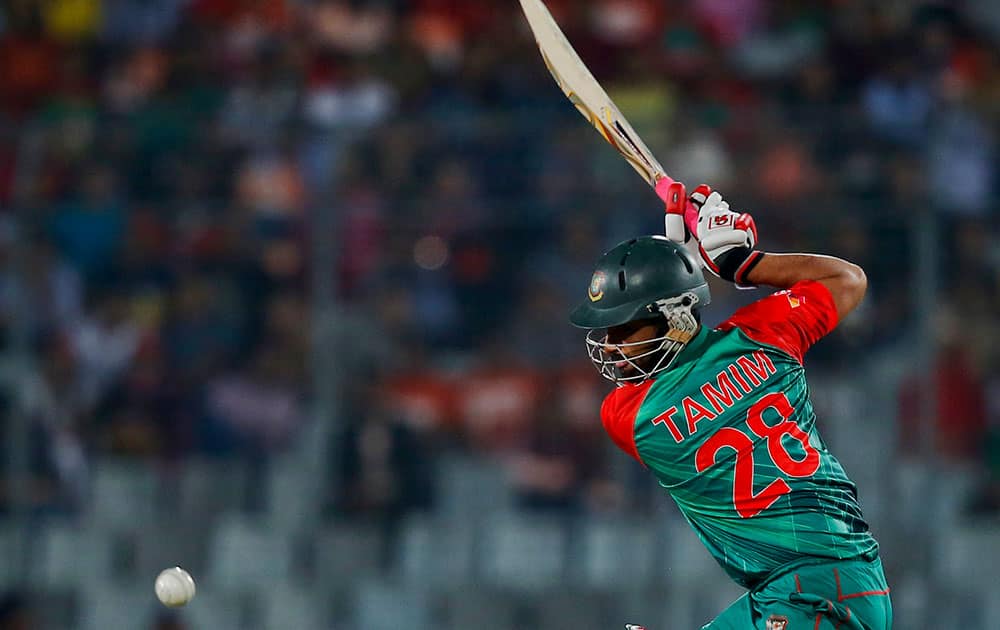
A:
497	399
567	263
422	399
345	95
259	107
270	185
57	415
729	21
202	326
898	102
142	416
89	227
134	79
363	223
792	34
259	407
351	27
533	331
68	21
139	21
560	466
960	154
986	500
701	157
383	467
27	60
104	342
42	285
958	417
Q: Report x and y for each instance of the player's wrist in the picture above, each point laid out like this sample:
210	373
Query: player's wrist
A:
736	264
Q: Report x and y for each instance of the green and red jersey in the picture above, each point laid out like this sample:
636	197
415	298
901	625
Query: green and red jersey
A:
729	431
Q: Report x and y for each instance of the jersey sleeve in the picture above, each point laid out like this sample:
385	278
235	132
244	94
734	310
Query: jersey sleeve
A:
793	319
618	414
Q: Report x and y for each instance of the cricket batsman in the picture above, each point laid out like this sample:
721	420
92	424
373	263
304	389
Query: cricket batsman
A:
722	416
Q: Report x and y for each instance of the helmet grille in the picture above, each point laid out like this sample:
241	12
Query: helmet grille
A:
645	359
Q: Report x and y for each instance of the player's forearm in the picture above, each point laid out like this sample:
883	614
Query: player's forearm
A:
846	281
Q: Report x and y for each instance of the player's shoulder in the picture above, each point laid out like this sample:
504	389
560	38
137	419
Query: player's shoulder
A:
803	297
624	402
619	412
791	319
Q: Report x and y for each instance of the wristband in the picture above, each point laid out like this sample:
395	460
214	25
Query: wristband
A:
736	264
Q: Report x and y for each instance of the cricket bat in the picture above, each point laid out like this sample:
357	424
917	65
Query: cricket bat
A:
583	90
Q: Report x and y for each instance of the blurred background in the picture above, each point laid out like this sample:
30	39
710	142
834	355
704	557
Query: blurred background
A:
284	294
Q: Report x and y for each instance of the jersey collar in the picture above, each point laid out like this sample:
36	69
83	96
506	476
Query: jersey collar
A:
693	349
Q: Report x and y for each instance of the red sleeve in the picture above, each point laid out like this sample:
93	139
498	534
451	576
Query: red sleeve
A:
618	414
793	319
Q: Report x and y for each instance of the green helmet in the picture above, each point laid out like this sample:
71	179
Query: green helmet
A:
630	279
647	278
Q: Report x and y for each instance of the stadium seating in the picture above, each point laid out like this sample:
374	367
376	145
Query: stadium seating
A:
67	556
606	550
524	552
124	495
438	552
384	605
245	555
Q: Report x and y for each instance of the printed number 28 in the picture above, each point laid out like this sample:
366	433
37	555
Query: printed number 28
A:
748	503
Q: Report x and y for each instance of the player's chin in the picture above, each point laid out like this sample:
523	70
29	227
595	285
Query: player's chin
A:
633	368
625	373
628	369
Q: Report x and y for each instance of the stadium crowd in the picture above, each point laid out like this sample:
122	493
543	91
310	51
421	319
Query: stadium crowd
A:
164	166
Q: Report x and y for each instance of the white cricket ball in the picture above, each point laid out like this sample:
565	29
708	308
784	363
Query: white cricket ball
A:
174	587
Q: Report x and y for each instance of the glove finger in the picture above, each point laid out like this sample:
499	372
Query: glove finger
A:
691	218
745	222
714	200
723	238
700	194
676	204
674	227
674	199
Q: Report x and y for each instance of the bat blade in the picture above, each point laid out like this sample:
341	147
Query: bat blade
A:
583	90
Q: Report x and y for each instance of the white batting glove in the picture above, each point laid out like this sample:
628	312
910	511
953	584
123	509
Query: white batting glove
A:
676	223
726	239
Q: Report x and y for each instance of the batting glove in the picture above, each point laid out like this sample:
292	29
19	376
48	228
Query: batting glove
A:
726	239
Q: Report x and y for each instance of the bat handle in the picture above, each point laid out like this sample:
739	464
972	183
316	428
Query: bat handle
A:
663	189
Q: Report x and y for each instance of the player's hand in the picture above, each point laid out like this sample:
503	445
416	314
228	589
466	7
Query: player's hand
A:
726	239
676	223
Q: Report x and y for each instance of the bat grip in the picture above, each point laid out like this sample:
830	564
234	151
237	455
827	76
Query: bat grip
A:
691	211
